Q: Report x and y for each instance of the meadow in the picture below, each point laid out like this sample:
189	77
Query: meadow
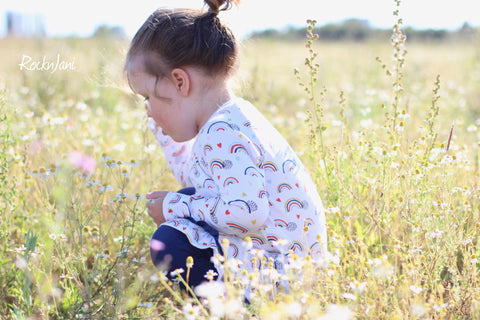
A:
388	130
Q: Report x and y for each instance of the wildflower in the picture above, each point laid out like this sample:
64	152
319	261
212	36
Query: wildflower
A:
357	286
150	148
435	234
439	307
133	163
190	312
123	253
105	158
125	173
415	290
20	249
88	142
366	123
218	259
473	258
119	147
101	255
159	276
138	196
91	183
65	276
177	272
189	262
142	260
110	164
404	114
105	187
82	161
145	305
335	312
211	290
416	249
120	197
42	173
472	128
210	275
333	210
349	296
81	106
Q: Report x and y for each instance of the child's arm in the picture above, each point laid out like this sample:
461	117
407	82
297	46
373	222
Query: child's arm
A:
176	153
241	205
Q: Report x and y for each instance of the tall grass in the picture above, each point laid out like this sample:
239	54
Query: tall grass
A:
372	123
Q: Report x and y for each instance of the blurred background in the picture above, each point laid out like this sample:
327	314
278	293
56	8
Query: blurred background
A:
51	18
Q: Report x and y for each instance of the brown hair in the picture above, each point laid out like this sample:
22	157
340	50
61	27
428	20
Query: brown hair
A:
172	38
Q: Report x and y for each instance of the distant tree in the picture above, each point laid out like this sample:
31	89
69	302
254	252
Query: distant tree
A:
361	30
106	31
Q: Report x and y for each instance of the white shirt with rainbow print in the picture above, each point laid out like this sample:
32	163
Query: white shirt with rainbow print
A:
249	182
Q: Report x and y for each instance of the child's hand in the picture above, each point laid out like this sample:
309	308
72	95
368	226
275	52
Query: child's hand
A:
155	206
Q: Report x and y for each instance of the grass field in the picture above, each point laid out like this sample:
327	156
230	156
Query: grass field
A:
400	186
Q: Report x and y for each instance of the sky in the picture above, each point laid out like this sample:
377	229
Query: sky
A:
82	17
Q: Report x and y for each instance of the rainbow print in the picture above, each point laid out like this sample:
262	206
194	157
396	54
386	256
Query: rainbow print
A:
268	165
292	203
216	164
237	147
175	223
296	246
165	143
176	199
283	186
201	215
288	165
272	238
229	181
237	227
219	126
242	204
179	152
316	248
196	236
233	248
213	210
253	172
186	210
247	124
308	222
262	194
257	240
209	184
280	223
206	148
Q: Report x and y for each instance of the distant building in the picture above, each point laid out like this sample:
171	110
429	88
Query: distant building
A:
21	24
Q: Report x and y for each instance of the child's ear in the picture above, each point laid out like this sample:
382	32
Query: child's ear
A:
181	81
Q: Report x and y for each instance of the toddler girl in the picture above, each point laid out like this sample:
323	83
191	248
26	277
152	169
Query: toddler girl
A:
243	178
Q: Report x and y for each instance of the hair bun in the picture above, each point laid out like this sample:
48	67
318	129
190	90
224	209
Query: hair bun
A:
216	6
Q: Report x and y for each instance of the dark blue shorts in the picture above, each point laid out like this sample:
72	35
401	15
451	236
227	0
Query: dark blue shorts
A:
170	248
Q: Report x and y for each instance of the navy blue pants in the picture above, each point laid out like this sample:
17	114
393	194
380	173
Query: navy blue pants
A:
170	248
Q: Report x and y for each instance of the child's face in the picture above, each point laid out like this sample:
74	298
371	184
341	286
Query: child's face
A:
163	103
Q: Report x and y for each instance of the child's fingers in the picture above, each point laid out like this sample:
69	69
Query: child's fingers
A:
155	194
